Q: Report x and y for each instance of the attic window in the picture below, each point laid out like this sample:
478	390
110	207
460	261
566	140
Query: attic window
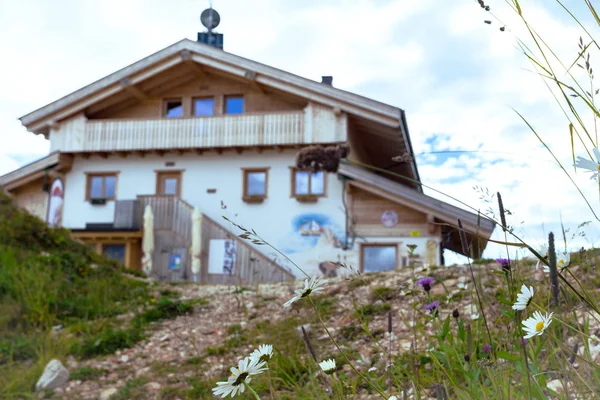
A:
173	108
234	104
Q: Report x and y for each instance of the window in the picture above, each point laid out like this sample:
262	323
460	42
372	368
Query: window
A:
306	183
101	186
378	257
255	184
204	107
168	182
173	108
234	104
114	251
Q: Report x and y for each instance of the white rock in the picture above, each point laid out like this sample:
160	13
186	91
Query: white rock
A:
107	393
124	359
55	375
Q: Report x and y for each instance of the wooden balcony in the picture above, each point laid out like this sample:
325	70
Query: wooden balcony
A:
311	125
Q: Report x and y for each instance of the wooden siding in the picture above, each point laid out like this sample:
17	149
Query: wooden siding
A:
251	265
366	210
170	214
32	198
213	86
173	232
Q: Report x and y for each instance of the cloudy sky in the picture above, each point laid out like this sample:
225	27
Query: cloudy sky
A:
457	78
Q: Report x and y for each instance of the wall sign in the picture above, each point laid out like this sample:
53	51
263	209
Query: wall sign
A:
174	262
389	218
415	233
55	205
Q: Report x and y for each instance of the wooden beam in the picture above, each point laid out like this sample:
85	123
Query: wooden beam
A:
159	152
259	149
239	150
199	151
122	154
103	154
140	153
279	149
85	155
186	57
133	90
251	76
180	152
219	150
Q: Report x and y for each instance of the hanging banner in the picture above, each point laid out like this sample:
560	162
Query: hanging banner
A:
55	204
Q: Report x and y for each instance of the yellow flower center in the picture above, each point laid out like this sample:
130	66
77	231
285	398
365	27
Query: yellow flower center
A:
539	326
561	263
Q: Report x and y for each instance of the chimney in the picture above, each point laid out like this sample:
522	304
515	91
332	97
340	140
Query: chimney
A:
327	80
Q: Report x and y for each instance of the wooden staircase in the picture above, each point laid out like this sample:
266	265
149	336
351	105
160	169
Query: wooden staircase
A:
173	235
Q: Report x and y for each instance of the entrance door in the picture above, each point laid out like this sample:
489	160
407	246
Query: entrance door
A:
168	182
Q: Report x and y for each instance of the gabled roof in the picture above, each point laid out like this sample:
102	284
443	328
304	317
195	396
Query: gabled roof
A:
186	50
35	170
476	226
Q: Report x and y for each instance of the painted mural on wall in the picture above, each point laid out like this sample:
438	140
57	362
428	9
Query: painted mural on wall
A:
55	205
315	242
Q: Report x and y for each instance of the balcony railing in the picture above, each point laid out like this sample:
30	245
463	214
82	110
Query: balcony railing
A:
312	125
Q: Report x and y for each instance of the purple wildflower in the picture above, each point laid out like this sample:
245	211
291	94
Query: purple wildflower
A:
524	341
505	263
486	348
433	306
426	283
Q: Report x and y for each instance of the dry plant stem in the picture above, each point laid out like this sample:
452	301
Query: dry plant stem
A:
463	241
342	352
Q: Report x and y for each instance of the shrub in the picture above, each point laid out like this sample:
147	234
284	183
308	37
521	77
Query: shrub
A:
107	342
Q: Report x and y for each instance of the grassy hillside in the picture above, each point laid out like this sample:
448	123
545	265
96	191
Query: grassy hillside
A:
59	298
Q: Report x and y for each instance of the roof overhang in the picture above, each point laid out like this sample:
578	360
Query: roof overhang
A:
186	51
477	227
53	164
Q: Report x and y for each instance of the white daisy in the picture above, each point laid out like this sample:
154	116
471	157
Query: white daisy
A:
393	398
562	261
263	353
310	286
372	369
328	366
240	377
523	298
537	324
543	250
590	165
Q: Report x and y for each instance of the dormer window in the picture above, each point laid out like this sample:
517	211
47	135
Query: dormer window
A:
173	108
204	107
234	104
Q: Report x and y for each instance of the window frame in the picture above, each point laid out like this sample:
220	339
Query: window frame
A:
125	245
230	96
309	197
254	198
204	98
88	184
166	104
362	246
167	173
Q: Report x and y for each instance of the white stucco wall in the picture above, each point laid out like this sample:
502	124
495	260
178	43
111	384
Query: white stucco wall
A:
273	219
